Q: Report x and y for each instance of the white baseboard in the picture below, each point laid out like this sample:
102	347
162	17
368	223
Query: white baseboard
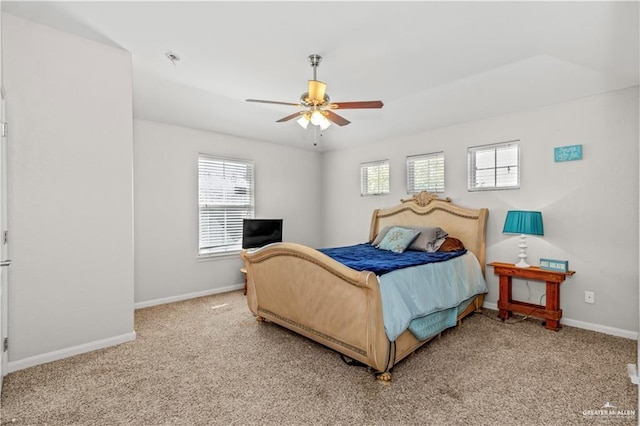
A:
628	334
111	341
187	296
633	335
21	364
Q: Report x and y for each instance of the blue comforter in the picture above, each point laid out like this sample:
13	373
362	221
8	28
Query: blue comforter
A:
365	257
411	295
419	291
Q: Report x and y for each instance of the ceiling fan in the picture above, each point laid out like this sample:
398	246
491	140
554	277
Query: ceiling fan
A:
317	107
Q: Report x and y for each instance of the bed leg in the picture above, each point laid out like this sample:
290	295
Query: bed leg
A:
384	377
260	319
478	302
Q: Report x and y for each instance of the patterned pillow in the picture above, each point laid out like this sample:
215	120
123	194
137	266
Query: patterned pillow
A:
429	240
398	239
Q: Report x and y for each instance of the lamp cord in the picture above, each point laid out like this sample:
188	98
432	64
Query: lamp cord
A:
514	321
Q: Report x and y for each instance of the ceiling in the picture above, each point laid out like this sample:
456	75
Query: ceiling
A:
433	64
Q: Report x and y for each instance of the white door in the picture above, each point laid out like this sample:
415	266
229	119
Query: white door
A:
4	246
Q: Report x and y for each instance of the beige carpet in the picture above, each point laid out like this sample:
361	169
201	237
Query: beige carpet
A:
207	361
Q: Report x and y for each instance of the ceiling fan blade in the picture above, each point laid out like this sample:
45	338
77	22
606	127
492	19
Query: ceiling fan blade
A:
317	90
272	102
289	117
356	105
340	121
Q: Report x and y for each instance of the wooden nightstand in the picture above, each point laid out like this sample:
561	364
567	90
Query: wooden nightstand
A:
550	312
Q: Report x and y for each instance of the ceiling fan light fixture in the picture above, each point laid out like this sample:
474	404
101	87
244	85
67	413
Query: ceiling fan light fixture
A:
317	105
318	119
303	121
325	124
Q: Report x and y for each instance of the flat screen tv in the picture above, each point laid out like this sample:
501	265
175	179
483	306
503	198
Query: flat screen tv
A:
260	232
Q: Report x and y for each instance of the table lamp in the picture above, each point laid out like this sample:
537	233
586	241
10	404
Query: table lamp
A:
523	223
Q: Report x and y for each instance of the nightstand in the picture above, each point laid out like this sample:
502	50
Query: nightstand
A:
550	312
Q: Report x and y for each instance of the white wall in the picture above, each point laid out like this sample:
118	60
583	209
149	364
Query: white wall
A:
166	206
69	105
590	207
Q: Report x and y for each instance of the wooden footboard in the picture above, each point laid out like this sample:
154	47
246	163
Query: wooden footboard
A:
311	294
308	292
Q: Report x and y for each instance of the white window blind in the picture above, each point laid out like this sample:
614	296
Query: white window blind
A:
374	178
494	166
425	173
226	197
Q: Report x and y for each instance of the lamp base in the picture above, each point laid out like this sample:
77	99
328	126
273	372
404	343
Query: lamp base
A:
523	252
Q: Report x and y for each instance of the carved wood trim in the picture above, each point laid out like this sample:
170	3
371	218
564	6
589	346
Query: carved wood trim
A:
424	198
424	213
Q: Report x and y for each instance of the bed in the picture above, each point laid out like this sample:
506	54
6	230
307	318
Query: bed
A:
309	292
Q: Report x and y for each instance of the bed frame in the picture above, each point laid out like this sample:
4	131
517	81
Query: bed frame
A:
306	291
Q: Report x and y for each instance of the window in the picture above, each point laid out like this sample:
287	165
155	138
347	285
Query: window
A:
425	173
374	178
225	194
494	166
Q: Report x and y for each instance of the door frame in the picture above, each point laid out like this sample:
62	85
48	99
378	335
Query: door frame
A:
4	246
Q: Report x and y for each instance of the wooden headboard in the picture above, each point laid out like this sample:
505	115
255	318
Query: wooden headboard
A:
425	209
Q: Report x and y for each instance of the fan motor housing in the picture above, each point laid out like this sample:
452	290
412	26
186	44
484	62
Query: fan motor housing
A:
304	100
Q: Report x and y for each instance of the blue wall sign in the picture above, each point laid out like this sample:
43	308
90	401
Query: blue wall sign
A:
567	153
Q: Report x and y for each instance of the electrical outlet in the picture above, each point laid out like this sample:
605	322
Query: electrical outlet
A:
589	297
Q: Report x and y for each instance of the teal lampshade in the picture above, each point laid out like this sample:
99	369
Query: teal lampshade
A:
523	222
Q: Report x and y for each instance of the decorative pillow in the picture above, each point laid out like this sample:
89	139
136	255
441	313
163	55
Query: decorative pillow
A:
430	238
451	244
381	235
398	239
